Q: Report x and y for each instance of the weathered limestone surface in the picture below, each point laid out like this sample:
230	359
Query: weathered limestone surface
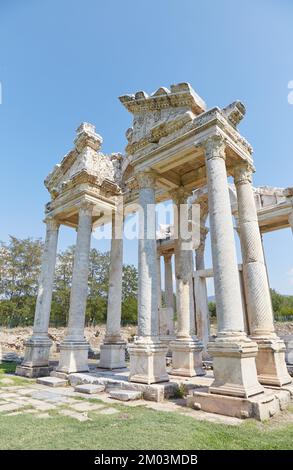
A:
186	348
52	381
74	347
174	147
270	360
147	354
36	359
288	340
112	352
233	353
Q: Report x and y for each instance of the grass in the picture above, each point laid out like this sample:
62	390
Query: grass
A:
139	428
7	370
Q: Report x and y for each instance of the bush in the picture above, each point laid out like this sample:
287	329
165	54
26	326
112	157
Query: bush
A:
212	309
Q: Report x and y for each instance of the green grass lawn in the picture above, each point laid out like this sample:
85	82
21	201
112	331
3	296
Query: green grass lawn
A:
141	428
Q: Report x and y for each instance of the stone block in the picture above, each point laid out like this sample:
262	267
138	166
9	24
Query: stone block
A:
260	407
112	355
33	371
109	411
288	340
125	395
52	381
187	358
74	415
86	406
148	362
89	389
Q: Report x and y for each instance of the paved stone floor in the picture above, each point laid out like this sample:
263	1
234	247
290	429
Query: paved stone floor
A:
44	402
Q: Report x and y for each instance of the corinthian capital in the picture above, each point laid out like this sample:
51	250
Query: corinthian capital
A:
52	223
146	179
215	147
243	173
180	195
86	207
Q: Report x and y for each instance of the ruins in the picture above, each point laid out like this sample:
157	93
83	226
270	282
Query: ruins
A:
177	150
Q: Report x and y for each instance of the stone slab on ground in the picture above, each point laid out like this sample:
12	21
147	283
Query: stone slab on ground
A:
75	415
153	392
89	389
125	395
6	381
43	415
108	411
11	407
41	405
52	381
261	407
85	406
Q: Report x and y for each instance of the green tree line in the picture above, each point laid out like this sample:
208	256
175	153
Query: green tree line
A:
282	306
20	263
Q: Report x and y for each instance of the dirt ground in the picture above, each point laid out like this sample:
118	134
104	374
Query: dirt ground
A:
12	340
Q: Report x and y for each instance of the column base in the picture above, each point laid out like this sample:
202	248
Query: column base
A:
73	356
112	355
33	372
187	357
234	367
148	362
36	358
270	362
288	340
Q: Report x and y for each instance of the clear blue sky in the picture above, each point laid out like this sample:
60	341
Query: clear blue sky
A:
63	62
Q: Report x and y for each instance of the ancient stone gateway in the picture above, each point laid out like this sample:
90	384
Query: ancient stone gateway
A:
175	146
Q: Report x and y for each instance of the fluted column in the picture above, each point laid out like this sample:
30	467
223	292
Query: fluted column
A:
36	358
270	359
147	354
186	349
233	353
74	347
112	351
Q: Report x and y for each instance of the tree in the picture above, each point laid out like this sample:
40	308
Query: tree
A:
20	262
129	294
62	286
212	309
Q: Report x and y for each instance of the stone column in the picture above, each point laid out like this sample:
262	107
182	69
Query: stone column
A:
233	352
186	348
147	354
200	288
159	281
113	347
74	347
36	358
169	295
270	360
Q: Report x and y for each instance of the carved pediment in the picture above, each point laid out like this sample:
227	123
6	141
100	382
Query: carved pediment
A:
160	114
85	164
